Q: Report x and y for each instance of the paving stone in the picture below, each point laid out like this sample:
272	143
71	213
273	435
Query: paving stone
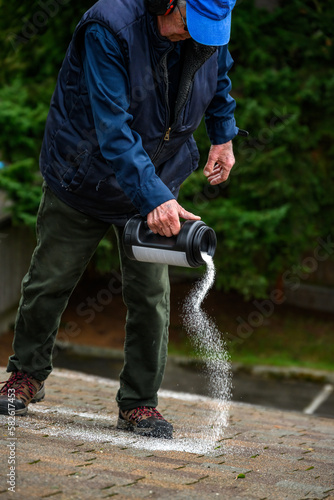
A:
68	447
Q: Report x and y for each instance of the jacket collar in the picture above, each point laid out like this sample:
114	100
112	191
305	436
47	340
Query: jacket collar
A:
160	42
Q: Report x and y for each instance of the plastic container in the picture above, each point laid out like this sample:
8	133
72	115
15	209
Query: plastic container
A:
185	249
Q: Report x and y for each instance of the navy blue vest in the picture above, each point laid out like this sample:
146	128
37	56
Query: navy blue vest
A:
71	161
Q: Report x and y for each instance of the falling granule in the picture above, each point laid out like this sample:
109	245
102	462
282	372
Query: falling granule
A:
211	347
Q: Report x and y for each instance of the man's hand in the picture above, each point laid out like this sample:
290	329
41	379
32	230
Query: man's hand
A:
220	162
165	220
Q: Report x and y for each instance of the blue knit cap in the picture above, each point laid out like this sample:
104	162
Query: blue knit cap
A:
209	21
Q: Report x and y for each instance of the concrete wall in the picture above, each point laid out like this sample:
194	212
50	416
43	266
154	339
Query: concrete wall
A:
310	284
316	298
16	247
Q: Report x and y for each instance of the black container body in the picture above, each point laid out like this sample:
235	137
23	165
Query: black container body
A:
186	249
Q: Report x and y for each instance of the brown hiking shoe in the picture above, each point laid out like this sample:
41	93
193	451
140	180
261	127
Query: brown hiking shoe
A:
145	421
20	390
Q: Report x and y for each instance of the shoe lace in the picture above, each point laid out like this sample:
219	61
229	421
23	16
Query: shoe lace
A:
19	381
13	379
144	411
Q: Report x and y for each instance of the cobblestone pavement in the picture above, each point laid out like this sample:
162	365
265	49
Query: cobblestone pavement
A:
68	447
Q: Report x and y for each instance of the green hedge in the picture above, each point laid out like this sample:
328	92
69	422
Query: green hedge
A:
279	197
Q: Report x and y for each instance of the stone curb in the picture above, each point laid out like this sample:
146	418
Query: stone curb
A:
262	371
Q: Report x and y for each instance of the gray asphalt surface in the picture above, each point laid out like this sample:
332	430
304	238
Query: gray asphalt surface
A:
268	391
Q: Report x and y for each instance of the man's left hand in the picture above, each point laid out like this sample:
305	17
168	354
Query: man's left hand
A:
220	162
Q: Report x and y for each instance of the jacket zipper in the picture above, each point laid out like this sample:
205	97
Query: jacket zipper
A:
166	137
176	117
168	130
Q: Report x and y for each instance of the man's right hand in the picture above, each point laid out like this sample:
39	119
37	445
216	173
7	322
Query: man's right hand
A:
165	220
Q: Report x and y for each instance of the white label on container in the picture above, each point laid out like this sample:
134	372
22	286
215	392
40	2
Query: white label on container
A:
171	257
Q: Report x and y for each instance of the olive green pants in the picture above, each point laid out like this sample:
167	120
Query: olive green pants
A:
66	241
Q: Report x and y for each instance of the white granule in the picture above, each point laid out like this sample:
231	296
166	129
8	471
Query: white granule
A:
210	345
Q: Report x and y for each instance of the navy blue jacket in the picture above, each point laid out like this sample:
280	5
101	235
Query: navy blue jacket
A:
110	148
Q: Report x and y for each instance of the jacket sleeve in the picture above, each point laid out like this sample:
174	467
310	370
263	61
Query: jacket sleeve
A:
219	116
109	90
